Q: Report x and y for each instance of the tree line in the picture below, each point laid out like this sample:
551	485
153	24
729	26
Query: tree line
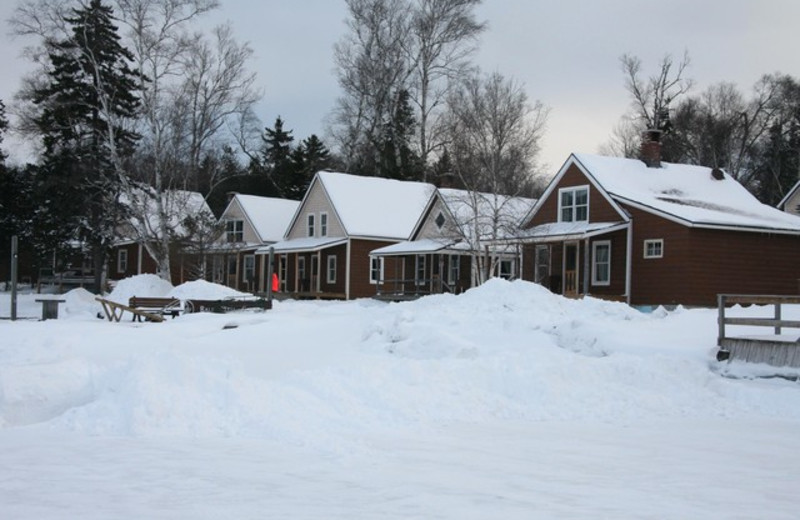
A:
754	136
132	103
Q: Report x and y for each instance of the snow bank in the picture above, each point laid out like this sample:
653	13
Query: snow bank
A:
203	290
139	285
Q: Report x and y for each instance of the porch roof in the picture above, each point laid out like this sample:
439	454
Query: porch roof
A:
418	247
561	231
303	245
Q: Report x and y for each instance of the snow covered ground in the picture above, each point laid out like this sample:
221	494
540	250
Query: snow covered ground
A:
504	402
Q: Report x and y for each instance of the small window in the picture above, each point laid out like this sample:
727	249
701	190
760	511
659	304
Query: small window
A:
505	269
440	220
601	263
454	271
301	267
249	271
573	204
323	224
122	260
542	264
331	269
420	270
234	230
654	248
310	222
376	269
282	272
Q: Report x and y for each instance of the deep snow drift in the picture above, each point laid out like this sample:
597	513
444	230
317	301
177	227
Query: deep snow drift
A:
506	401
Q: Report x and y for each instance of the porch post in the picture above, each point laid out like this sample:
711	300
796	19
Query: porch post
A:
587	268
628	266
347	271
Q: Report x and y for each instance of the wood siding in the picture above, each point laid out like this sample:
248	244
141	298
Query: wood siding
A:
360	286
599	208
315	203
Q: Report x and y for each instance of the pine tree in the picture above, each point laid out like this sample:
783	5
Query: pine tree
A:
83	109
278	160
308	158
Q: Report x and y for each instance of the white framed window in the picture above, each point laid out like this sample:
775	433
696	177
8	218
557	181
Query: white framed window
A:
454	269
654	248
249	271
573	204
376	269
505	269
122	260
542	261
323	224
301	268
282	272
331	271
601	262
310	224
419	269
234	230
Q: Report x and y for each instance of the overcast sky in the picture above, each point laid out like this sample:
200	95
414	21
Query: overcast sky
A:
565	53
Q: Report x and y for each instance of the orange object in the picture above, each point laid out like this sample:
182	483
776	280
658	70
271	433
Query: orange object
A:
276	284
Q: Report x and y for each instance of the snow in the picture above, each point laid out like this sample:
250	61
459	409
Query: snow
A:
503	402
687	192
376	207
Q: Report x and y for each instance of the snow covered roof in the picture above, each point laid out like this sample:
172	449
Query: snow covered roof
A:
498	215
302	245
415	247
376	207
688	194
559	231
270	217
178	205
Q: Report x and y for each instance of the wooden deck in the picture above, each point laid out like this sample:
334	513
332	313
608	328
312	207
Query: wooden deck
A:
779	349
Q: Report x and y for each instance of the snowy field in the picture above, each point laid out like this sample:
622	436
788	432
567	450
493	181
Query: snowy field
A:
506	402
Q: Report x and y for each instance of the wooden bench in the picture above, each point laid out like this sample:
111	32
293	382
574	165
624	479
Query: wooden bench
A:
115	310
157	306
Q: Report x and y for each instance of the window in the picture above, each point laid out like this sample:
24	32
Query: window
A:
234	230
505	269
249	271
301	273
331	278
573	204
323	224
542	270
376	269
282	272
122	260
454	271
654	248
420	270
310	221
440	220
601	263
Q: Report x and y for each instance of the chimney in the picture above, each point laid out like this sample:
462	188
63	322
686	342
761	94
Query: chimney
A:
446	180
651	148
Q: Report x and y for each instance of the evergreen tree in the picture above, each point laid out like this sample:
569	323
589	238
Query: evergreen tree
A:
83	112
397	158
310	157
279	160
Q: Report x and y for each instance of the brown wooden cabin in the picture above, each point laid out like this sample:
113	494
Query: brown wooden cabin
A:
665	234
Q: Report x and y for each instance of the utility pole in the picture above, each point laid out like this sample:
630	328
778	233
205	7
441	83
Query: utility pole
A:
14	259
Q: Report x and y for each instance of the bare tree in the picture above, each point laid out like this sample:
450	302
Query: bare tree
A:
493	134
652	97
445	34
398	48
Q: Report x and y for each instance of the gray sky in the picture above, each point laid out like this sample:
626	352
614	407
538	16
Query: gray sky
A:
565	53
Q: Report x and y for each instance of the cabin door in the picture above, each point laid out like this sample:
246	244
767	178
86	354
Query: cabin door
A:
571	269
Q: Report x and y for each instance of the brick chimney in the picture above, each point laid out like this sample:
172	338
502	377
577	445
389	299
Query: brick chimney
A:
650	151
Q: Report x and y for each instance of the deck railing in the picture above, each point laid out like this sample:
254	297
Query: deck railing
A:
779	350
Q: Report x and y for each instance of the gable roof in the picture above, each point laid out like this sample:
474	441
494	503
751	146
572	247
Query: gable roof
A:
789	195
491	210
268	216
373	206
686	194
